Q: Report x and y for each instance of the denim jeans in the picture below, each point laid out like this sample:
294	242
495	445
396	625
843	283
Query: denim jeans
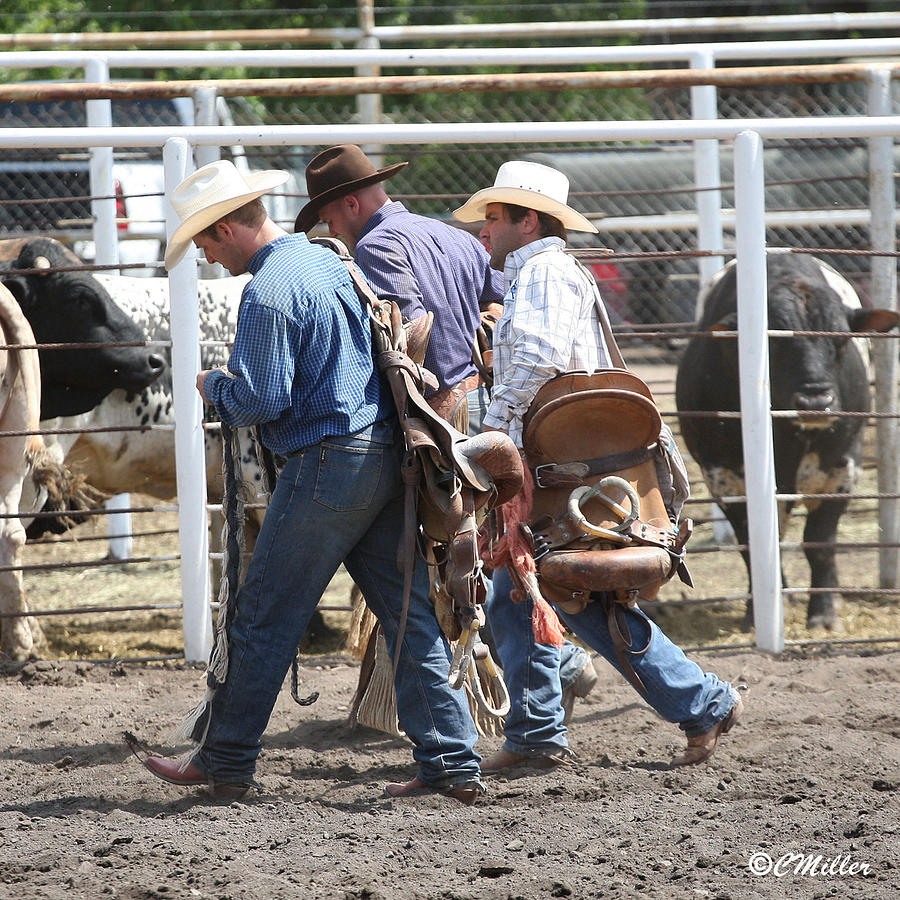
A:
677	688
338	501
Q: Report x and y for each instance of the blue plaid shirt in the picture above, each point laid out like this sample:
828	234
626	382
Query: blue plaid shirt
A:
426	265
302	358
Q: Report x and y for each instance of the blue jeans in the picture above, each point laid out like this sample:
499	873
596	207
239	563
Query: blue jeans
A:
338	501
677	688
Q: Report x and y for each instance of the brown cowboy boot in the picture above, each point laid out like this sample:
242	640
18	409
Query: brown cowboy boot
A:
701	746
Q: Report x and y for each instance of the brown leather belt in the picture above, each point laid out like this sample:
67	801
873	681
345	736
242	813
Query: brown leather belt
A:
444	402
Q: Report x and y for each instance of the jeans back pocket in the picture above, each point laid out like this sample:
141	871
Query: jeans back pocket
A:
348	476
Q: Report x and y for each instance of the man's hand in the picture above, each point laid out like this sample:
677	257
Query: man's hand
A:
201	377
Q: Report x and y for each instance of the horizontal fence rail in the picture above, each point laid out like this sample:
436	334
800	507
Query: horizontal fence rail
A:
179	143
840	21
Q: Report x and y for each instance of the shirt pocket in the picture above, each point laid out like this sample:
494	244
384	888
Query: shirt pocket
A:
347	477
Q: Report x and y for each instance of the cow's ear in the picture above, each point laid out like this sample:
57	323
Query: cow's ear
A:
726	323
872	319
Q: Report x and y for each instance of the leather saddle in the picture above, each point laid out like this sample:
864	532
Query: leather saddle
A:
598	519
452	479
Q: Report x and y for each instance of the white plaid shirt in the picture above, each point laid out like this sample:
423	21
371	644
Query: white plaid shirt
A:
549	325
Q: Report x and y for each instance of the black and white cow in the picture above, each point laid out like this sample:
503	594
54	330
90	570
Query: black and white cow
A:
124	461
145	463
821	374
72	307
51	307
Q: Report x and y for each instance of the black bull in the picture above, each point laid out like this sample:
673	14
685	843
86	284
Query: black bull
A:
70	307
821	374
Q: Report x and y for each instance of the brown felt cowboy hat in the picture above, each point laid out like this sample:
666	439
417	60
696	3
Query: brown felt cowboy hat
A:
334	173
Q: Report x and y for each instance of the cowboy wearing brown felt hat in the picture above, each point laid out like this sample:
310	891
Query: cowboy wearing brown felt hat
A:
334	173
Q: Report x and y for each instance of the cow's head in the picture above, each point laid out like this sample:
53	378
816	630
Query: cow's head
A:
822	372
71	307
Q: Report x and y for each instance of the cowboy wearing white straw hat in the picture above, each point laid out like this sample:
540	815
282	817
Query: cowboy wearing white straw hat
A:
531	185
302	368
553	322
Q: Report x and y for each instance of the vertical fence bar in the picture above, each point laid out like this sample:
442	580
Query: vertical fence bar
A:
106	253
99	115
707	175
118	526
193	529
368	106
206	113
882	204
756	418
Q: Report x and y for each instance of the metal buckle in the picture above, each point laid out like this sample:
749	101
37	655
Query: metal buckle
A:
541	547
537	474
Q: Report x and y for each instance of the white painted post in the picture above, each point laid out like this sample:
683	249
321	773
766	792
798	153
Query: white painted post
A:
707	174
99	115
118	526
884	352
205	114
368	106
106	253
193	528
756	419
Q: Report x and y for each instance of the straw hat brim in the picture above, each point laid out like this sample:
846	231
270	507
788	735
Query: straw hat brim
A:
473	210
259	182
309	214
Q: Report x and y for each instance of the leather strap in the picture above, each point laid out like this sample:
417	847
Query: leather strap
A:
572	474
552	534
620	633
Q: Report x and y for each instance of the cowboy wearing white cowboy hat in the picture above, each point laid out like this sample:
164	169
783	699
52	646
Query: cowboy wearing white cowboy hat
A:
214	191
552	323
528	184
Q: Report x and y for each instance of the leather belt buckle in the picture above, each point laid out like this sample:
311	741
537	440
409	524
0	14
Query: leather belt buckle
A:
561	475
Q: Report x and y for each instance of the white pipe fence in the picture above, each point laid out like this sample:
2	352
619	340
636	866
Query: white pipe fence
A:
756	419
190	454
769	51
881	128
749	212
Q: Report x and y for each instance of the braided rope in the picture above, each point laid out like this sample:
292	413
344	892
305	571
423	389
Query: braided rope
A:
194	727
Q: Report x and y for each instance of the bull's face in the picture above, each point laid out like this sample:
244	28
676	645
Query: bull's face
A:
823	372
73	308
803	369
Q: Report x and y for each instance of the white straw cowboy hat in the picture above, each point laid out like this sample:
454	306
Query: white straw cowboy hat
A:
211	192
531	185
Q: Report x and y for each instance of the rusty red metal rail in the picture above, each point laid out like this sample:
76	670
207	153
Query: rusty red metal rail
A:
448	84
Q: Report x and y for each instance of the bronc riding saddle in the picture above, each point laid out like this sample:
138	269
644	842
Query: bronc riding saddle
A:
602	524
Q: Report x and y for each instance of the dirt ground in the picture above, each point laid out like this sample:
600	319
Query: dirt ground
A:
813	770
809	781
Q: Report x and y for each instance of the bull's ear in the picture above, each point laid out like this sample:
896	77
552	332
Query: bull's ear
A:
872	319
